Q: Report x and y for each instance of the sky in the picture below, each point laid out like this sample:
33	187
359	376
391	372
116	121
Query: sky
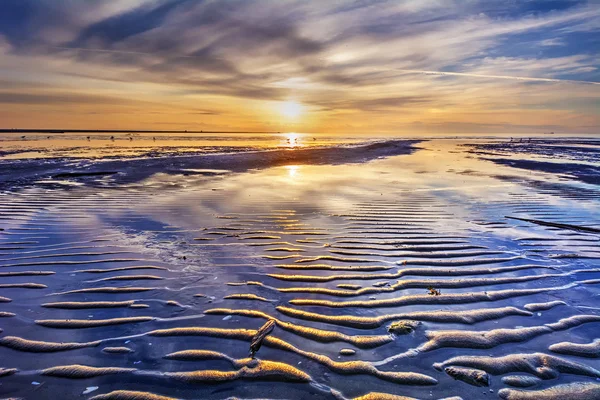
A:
405	67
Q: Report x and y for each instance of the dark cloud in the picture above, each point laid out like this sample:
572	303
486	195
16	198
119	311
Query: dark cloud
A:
166	42
23	22
57	98
128	24
149	30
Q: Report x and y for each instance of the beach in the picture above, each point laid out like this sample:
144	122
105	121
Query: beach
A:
425	268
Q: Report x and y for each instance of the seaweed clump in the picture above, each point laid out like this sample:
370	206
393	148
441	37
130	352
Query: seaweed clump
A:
433	291
403	327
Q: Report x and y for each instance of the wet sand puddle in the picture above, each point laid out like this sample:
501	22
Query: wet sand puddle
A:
400	277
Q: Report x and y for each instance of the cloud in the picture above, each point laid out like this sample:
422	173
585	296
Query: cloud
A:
415	58
553	42
509	77
375	104
56	98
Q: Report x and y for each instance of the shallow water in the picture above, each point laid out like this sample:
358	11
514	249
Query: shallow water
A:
98	145
283	239
87	145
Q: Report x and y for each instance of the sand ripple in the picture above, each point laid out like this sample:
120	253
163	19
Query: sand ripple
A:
364	295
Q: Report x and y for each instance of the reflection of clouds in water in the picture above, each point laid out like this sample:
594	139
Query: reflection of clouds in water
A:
195	200
160	217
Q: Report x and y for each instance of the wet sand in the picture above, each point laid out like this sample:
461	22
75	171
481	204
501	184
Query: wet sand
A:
389	270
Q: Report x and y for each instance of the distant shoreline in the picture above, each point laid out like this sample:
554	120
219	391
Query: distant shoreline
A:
116	131
135	169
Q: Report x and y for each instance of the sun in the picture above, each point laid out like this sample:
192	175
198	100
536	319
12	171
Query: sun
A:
291	109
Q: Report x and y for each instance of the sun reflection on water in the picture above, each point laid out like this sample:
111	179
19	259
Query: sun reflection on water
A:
292	170
292	139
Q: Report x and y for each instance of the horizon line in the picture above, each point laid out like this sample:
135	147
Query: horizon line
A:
26	130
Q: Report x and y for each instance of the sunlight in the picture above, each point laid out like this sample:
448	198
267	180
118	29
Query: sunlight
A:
291	109
292	139
292	170
300	158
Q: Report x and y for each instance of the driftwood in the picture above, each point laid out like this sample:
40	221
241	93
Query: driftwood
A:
558	225
261	334
432	291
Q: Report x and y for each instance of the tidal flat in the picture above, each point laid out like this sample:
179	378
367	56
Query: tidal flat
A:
401	269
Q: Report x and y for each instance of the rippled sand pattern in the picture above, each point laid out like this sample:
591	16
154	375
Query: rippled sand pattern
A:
395	293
